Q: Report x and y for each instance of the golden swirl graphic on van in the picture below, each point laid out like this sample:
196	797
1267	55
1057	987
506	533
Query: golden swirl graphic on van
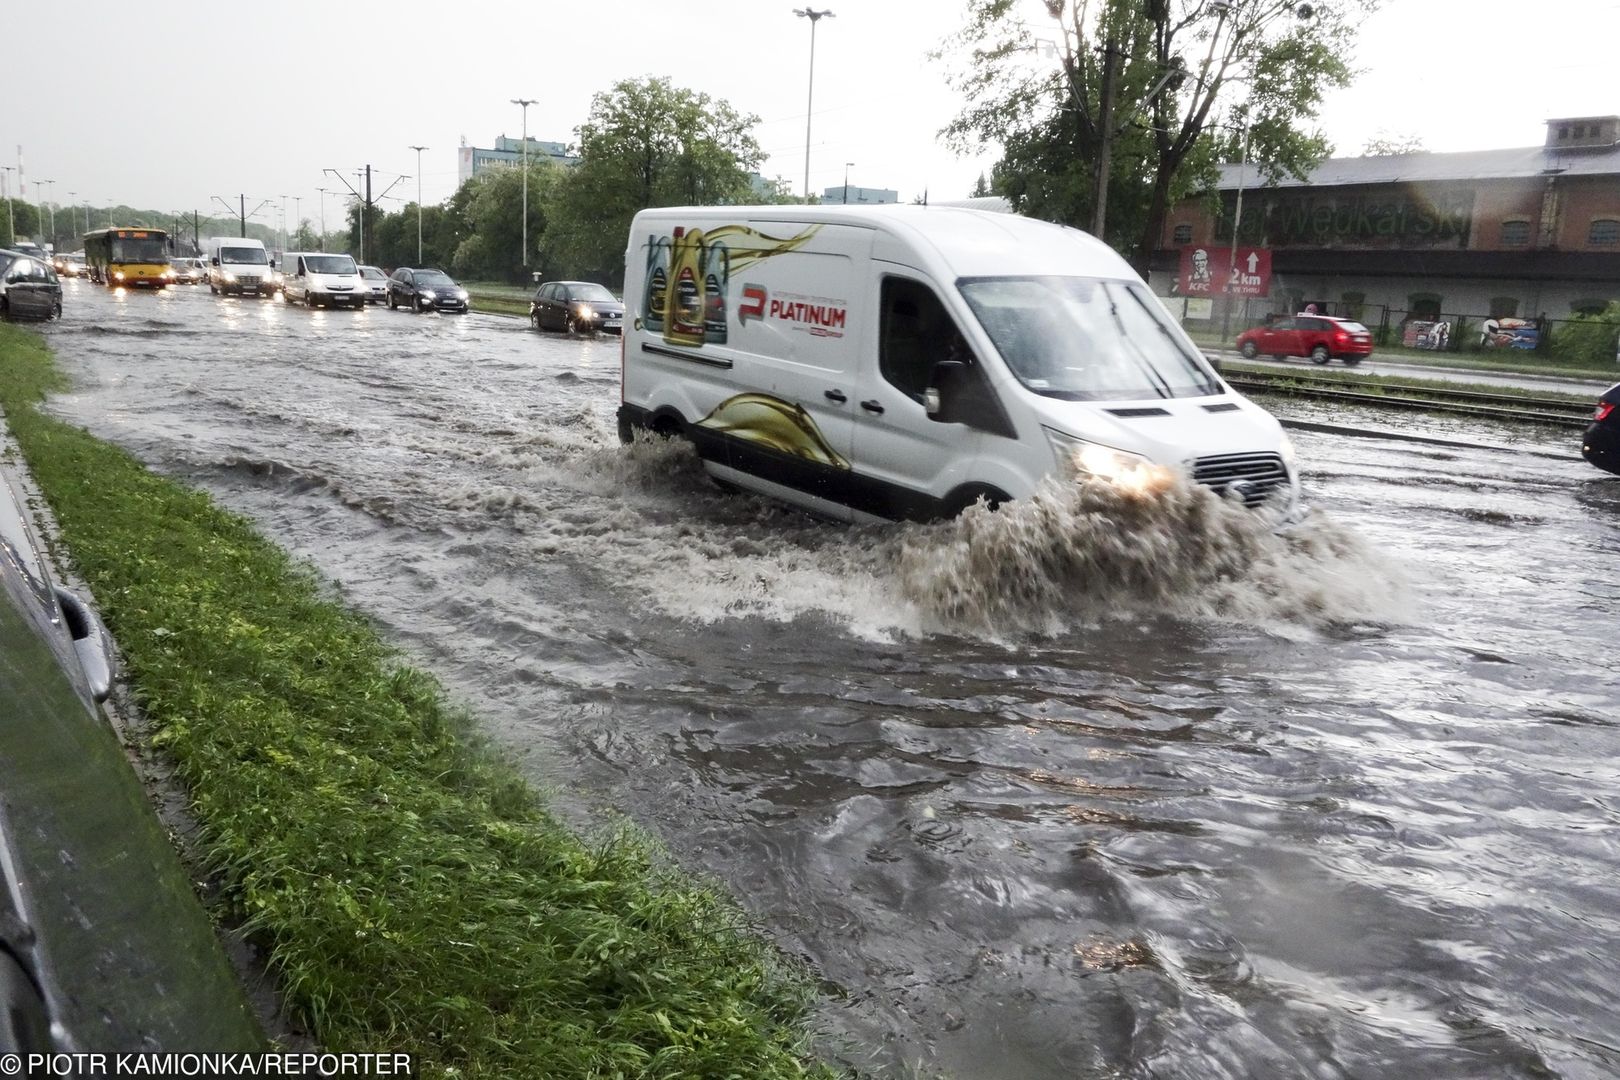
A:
689	274
777	424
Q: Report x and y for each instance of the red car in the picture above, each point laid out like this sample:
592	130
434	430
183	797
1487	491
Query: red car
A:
1320	337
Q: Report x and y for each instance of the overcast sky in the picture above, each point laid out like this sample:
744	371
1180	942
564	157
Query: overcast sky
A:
217	99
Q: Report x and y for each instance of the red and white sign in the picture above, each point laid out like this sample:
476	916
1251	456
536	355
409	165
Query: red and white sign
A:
1213	271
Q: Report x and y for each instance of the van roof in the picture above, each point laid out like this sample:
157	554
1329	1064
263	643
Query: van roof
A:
969	242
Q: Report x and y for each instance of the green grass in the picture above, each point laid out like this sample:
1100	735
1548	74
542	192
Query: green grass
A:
405	883
497	305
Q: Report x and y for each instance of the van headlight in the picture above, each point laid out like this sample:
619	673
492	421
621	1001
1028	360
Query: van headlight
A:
1076	456
230	276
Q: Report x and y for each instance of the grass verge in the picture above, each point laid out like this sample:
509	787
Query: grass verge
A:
405	883
498	305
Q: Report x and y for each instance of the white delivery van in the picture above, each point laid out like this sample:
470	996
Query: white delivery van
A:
238	264
902	362
319	279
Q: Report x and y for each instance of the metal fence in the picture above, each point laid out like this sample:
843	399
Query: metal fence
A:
1429	331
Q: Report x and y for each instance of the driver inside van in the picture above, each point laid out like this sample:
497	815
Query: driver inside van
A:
917	334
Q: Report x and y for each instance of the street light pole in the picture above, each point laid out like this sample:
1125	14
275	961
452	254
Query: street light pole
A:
42	206
419	150
847	165
814	16
1237	221
524	103
11	217
323	217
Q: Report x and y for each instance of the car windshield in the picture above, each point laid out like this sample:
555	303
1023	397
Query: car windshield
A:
1084	339
432	277
329	264
371	273
593	294
139	249
239	255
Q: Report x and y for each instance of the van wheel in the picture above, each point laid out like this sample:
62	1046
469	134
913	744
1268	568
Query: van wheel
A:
1320	355
1250	350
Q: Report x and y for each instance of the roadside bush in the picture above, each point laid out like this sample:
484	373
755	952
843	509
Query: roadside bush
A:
1589	340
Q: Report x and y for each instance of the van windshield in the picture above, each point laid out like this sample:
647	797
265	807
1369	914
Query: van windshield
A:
1084	339
329	264
242	255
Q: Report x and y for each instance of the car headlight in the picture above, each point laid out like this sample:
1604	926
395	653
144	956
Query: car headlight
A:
426	294
1078	457
461	294
584	311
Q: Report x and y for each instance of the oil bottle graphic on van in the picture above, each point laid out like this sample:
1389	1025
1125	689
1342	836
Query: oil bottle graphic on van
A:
689	272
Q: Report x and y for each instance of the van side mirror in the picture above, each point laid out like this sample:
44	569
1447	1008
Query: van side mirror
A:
949	388
214	260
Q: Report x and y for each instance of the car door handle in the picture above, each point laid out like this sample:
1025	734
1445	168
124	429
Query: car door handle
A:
834	395
873	406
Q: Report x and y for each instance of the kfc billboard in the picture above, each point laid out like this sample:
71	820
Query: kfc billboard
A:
1212	271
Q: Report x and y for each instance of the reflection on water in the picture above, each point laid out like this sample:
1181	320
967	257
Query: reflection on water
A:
1092	787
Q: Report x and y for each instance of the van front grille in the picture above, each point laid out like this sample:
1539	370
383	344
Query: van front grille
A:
1259	474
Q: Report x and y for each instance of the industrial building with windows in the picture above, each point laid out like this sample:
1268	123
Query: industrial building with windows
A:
1530	233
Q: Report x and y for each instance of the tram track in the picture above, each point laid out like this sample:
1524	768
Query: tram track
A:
1547	411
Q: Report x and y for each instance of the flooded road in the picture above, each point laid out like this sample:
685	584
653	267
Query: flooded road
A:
1037	796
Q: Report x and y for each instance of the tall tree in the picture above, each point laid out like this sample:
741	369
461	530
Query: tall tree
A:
1108	111
1387	144
647	143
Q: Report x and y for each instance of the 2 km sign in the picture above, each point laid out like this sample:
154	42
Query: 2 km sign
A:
1212	271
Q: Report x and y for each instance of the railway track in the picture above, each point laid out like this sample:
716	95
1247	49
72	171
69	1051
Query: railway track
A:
1552	412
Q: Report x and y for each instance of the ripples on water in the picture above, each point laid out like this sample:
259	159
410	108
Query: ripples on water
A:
1098	785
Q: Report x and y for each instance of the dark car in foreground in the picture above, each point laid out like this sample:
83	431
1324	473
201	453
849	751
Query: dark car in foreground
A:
425	290
1320	337
576	307
29	288
103	943
1601	443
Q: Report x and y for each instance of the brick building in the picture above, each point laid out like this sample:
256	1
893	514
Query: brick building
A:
1520	233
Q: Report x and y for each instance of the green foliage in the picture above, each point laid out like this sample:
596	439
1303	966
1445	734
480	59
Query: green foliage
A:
646	143
1590	340
405	884
1163	72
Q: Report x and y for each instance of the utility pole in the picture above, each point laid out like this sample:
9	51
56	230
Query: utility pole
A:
419	150
366	201
240	213
11	217
525	103
323	217
42	207
809	108
847	165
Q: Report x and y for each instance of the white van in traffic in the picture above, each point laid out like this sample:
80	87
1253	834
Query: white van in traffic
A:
320	279
238	264
903	362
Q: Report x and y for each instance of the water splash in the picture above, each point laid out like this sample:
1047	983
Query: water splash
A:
1078	553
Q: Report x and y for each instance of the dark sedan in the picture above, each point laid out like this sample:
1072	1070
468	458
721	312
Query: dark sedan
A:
425	290
1601	443
29	288
103	944
576	307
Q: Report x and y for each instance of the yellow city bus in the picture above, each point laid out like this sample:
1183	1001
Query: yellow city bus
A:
128	256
